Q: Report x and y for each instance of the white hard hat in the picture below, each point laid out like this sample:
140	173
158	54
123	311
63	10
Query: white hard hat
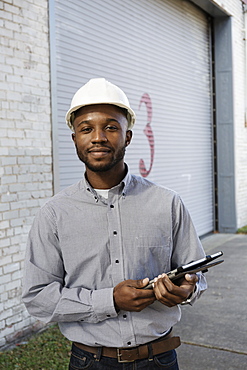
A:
99	91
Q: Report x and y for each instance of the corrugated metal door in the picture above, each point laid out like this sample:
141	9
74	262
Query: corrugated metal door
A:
158	52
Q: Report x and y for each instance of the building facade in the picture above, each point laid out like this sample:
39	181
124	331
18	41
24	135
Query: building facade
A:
183	66
26	148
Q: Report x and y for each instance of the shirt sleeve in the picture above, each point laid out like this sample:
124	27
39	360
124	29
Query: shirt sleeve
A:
187	246
45	294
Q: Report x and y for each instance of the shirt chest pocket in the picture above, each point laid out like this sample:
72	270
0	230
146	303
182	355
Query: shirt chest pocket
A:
148	256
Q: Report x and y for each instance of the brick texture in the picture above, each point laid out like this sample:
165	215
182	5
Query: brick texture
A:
25	149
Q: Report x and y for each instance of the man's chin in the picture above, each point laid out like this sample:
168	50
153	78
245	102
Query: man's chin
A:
99	167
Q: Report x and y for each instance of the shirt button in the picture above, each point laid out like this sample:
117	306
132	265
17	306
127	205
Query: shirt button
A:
112	206
114	232
125	316
108	315
129	343
117	261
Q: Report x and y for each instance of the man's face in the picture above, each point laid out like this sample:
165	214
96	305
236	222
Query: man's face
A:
101	136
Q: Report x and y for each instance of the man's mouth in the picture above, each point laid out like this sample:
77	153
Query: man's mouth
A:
99	152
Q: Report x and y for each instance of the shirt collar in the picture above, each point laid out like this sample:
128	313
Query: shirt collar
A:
123	185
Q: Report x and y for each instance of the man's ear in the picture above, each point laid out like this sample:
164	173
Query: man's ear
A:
128	137
73	137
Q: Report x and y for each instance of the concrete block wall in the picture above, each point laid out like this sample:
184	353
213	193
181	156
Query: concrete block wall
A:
25	148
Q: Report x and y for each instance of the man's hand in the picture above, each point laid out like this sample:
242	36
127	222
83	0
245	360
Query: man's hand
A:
170	294
129	296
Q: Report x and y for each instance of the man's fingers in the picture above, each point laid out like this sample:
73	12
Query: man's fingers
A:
164	297
191	278
170	294
129	296
140	283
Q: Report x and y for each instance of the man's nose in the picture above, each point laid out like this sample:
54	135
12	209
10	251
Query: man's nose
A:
99	136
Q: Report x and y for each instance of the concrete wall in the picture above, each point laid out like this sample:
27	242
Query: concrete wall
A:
25	147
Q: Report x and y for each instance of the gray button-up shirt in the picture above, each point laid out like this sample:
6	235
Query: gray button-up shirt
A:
81	245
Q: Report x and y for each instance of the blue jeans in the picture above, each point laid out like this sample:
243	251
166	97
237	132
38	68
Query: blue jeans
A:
81	359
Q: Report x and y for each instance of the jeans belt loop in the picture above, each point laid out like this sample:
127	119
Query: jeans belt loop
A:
99	354
150	352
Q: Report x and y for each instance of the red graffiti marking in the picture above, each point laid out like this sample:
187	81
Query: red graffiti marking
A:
149	134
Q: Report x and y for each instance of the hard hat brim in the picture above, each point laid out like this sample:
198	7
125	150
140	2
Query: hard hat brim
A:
131	113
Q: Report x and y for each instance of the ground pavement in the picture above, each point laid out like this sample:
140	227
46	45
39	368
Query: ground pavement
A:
214	331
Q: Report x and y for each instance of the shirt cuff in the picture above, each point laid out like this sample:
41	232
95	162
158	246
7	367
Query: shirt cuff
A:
191	297
103	304
194	295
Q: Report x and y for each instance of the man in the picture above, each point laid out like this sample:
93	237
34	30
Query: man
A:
94	246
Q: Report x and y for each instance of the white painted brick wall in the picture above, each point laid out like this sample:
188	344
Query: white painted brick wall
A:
235	8
239	44
25	148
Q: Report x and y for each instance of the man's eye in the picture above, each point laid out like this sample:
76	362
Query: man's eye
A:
111	128
85	129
